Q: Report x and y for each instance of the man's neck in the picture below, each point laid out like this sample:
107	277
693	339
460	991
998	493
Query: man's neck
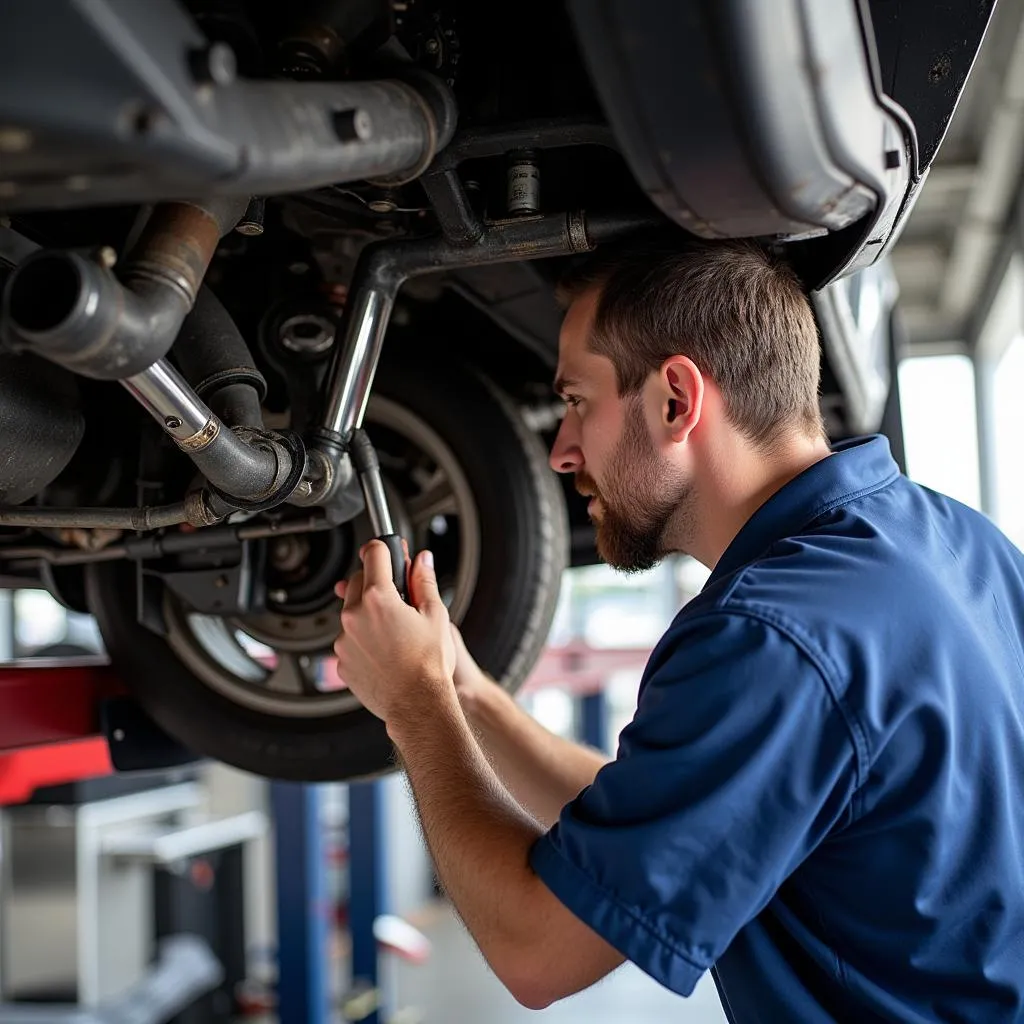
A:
735	481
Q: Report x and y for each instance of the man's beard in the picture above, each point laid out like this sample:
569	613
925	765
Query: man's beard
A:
638	502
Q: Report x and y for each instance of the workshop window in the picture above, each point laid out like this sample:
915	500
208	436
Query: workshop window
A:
1008	433
940	426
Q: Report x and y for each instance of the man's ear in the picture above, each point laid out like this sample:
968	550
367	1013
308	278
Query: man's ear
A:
681	388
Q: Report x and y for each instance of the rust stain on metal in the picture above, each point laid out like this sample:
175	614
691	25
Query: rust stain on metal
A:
523	248
178	243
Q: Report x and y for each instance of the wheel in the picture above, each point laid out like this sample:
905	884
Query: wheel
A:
465	478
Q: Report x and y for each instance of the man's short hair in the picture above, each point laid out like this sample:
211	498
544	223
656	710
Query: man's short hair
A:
732	307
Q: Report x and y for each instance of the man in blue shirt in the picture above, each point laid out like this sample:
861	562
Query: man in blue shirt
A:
821	794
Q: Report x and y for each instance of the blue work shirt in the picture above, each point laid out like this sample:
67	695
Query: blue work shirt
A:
821	794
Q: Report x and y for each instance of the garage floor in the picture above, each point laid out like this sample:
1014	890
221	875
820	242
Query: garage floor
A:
457	987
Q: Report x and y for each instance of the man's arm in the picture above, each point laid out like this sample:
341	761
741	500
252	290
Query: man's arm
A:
480	841
541	770
400	660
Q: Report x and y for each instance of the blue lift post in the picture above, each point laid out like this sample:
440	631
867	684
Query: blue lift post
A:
302	904
367	898
593	720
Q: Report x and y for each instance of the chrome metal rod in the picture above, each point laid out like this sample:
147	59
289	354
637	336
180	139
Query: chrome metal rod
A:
167	397
382	269
355	359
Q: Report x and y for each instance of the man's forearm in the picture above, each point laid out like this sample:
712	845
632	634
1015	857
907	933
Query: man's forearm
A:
478	836
480	839
541	770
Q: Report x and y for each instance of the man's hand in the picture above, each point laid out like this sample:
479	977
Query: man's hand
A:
396	658
399	660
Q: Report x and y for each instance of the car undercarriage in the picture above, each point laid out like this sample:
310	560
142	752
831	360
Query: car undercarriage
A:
280	278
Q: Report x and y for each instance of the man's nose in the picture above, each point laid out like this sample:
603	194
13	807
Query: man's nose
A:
566	454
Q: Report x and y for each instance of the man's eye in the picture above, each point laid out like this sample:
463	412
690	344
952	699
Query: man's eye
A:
571	400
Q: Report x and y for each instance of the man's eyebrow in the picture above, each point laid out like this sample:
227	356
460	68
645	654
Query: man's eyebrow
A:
562	384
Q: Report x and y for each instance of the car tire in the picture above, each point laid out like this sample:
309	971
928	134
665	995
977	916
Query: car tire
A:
522	551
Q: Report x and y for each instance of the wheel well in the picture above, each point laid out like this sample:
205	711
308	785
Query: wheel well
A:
521	368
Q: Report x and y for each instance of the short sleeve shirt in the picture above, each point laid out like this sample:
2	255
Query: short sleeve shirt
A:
821	794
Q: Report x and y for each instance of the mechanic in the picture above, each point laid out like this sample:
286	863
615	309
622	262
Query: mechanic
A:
821	793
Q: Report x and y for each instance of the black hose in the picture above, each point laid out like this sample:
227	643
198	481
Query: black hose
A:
214	358
150	517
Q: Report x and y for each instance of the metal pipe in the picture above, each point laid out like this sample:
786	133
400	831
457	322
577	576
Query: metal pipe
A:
455	214
166	396
147	517
338	131
248	467
140	548
251	471
73	310
355	360
384	266
389	264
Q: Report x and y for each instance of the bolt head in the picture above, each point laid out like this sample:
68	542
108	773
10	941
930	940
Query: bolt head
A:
278	596
249	227
213	65
432	45
106	256
382	205
363	125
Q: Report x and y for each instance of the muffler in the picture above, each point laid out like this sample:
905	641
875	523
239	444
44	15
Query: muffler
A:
41	425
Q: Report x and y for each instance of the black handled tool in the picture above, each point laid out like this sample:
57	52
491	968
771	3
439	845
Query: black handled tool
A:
367	465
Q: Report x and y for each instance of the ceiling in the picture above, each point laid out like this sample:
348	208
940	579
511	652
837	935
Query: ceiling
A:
959	237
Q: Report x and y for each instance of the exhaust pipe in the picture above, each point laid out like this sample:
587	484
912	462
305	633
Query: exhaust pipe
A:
247	467
72	310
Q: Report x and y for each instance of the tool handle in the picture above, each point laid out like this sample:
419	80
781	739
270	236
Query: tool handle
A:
398	574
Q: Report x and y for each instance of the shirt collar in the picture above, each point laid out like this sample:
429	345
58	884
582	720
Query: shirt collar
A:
856	467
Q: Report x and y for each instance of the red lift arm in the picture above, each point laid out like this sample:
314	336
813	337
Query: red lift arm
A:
49	725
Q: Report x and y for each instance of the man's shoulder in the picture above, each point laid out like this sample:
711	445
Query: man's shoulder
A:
878	544
795	583
839	576
725	631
